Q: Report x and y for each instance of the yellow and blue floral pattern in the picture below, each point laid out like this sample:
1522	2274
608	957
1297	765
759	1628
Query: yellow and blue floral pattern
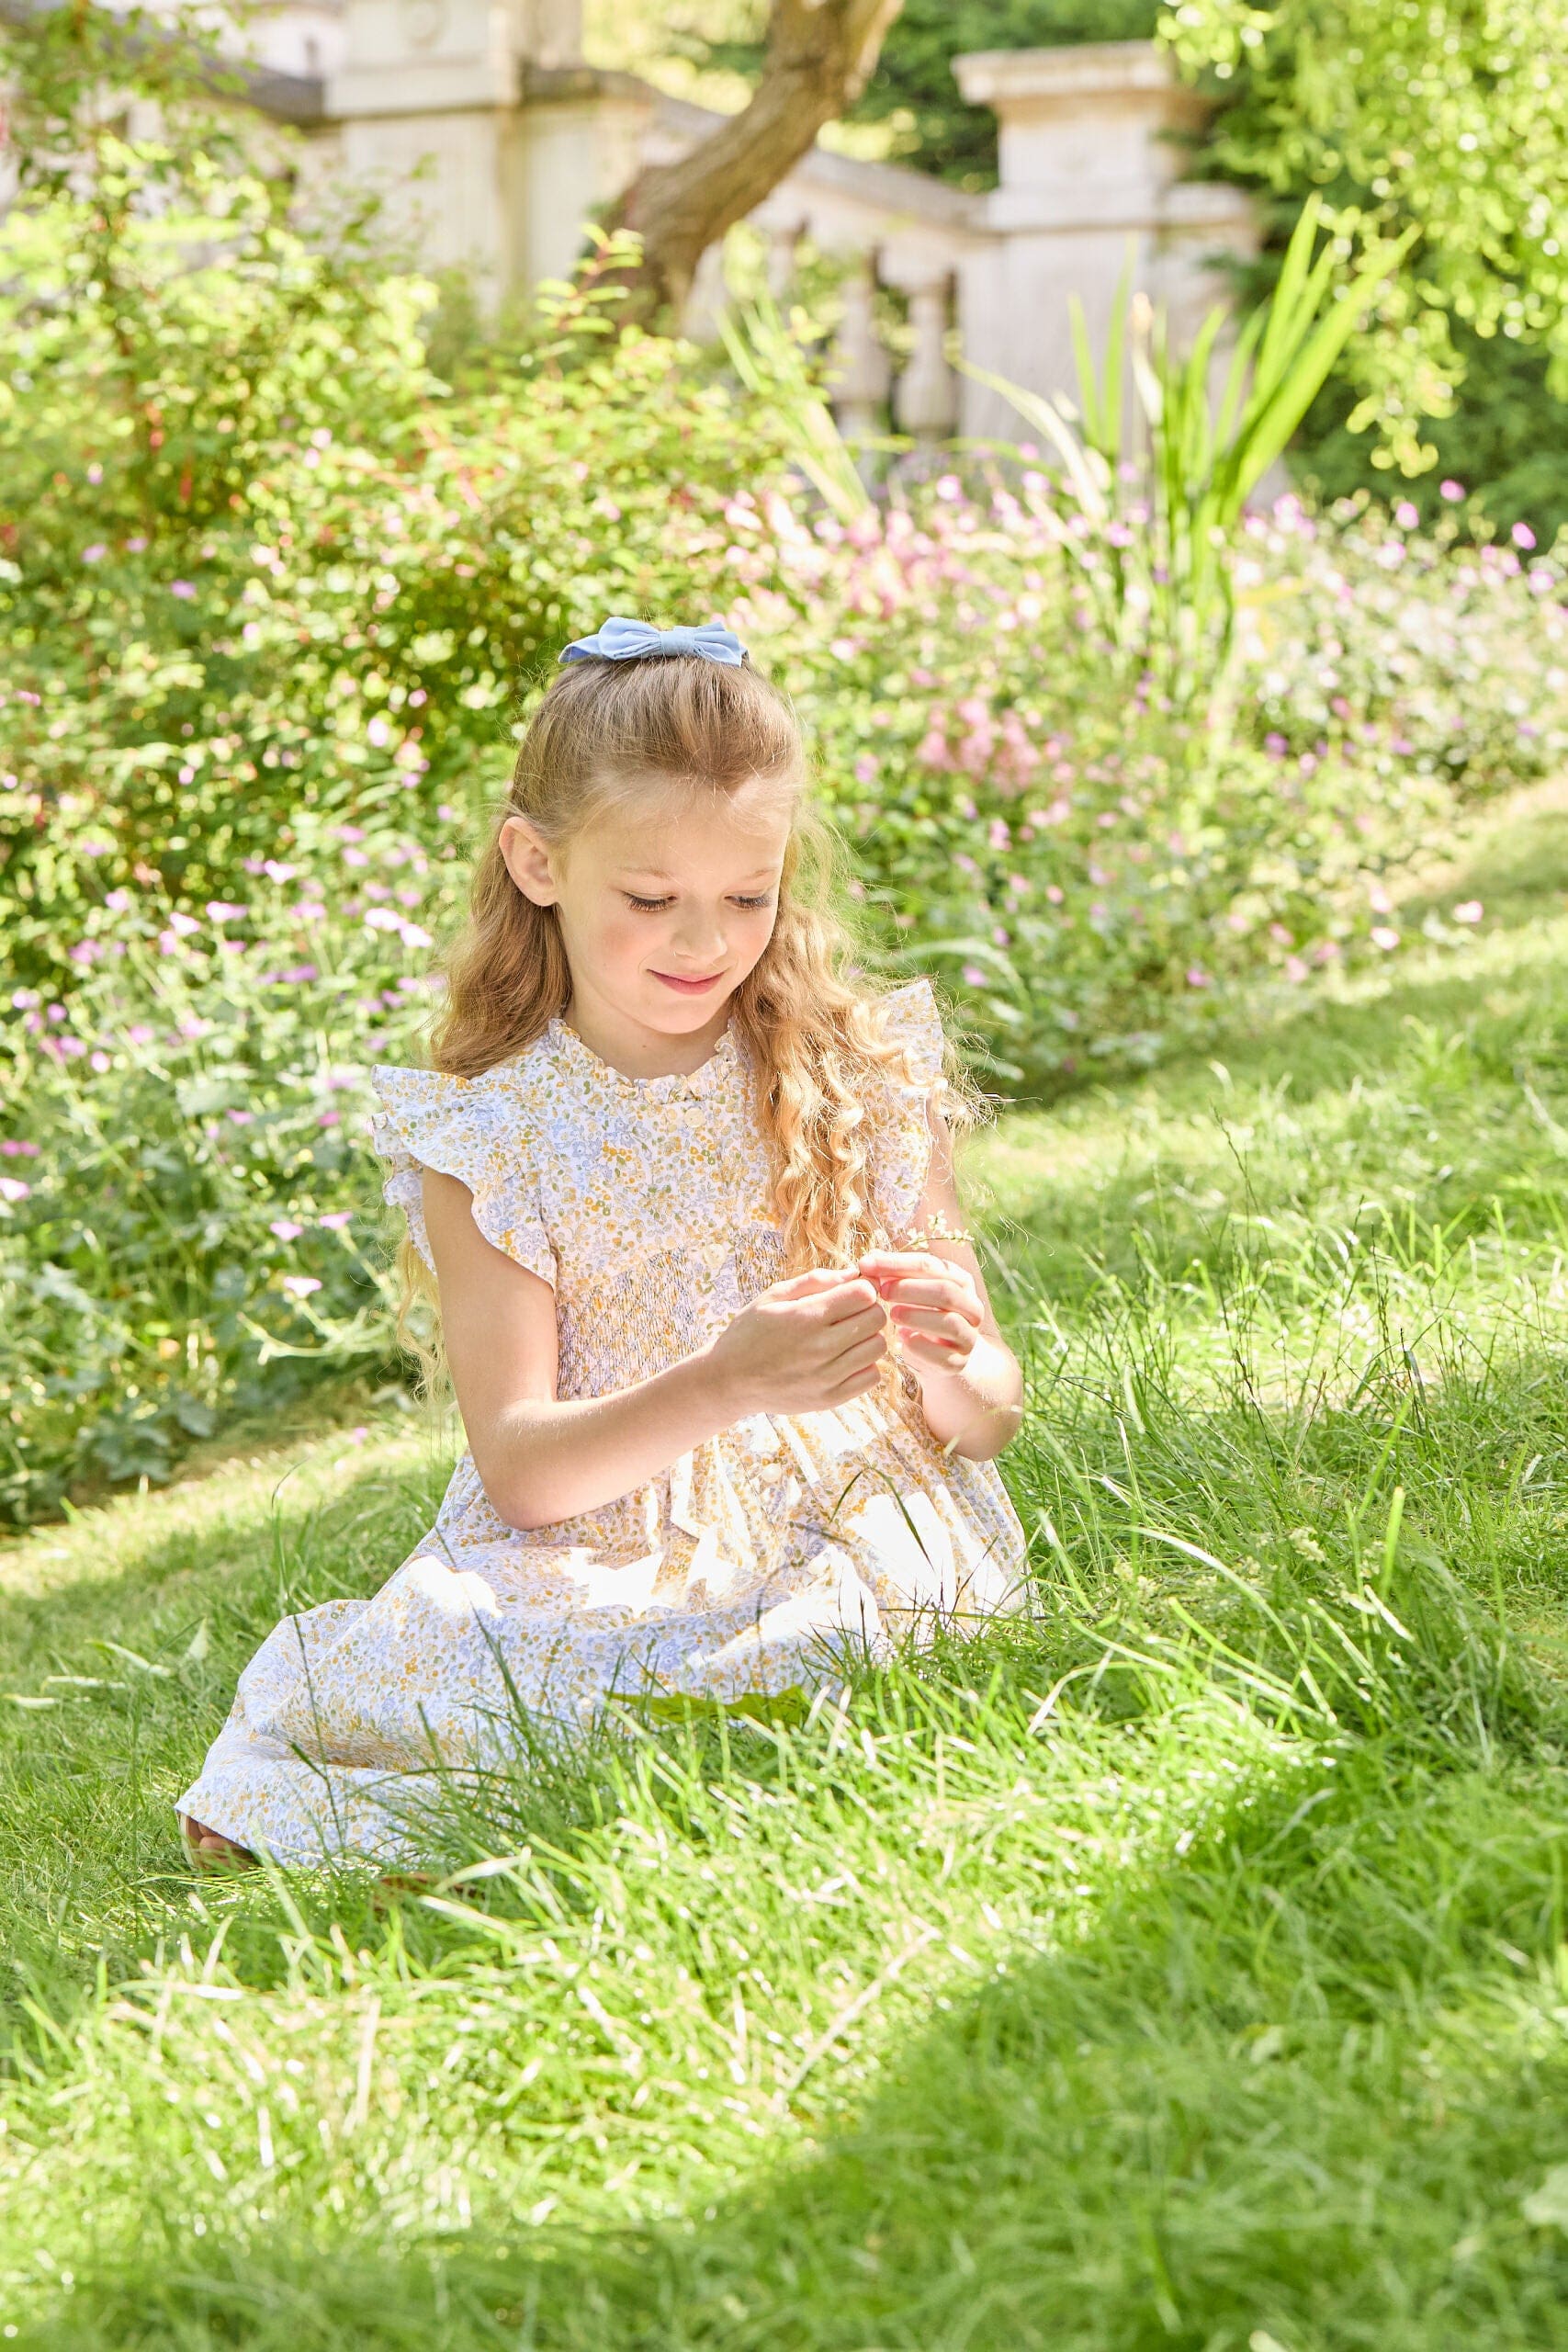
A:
759	1561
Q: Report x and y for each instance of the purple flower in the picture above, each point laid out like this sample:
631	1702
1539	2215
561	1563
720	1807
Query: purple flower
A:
1451	490
1522	535
135	546
1406	515
1197	978
181	588
1276	743
95	553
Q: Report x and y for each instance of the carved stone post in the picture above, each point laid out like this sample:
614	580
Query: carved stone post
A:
865	371
781	244
926	400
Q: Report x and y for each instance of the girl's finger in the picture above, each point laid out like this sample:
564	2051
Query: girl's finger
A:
938	1355
959	1297
933	1322
889	1265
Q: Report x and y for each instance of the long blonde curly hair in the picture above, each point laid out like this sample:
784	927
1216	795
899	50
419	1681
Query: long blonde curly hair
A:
605	733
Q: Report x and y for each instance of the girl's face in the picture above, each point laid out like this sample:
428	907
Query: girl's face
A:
664	904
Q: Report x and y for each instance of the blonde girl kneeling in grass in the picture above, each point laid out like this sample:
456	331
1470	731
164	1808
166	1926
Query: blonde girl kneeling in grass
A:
674	1174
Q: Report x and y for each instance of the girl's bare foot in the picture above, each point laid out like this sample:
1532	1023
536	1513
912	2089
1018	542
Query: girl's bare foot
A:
211	1850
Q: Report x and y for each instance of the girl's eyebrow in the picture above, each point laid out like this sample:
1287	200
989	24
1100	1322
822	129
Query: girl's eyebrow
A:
656	874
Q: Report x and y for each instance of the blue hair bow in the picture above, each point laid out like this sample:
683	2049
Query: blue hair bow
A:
619	639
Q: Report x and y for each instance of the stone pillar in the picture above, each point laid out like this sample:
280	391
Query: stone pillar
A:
1091	144
926	399
865	371
782	241
427	103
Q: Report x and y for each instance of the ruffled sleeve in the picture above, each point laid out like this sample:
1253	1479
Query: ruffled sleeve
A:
900	1150
466	1127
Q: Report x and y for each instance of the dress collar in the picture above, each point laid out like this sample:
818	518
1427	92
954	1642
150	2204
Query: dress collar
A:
708	1079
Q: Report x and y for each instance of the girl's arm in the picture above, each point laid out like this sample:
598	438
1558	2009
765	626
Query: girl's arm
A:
804	1344
971	1385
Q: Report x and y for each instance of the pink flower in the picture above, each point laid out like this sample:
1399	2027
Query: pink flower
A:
1522	535
379	731
1295	970
1384	935
1406	515
1451	490
286	1228
181	588
182	925
15	1148
95	553
974	976
99	1061
1197	978
136	546
449	814
1055	893
277	871
13	1189
300	1285
222	910
1469	911
866	769
336	1220
120	902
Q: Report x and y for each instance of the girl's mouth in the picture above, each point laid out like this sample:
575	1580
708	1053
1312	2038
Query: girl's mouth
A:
688	987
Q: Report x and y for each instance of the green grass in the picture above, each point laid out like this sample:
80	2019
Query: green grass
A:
1182	1968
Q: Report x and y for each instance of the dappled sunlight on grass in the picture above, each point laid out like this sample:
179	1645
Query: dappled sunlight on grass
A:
1181	1963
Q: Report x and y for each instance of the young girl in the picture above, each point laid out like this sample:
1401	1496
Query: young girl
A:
729	1377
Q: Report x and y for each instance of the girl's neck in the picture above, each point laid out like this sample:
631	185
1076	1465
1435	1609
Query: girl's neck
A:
638	1052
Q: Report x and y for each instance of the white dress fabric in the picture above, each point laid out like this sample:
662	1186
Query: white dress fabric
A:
762	1560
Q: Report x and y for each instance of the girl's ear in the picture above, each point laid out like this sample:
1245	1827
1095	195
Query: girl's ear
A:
527	861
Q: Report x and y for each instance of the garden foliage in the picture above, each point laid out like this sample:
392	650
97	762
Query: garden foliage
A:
276	599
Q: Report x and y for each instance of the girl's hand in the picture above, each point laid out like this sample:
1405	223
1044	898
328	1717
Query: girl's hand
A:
933	1304
802	1345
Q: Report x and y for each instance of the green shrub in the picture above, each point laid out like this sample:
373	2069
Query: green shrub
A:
276	599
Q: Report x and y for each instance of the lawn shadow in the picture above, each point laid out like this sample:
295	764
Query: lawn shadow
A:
1300	2079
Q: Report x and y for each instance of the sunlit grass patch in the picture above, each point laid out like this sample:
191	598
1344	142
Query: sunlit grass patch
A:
1181	1963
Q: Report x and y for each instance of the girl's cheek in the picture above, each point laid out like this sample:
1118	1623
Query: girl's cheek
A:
624	937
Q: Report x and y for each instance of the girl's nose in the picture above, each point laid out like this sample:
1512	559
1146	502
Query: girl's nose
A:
700	937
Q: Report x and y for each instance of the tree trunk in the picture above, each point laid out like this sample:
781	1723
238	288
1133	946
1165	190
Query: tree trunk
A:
821	53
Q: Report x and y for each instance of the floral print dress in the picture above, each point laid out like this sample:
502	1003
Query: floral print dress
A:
760	1561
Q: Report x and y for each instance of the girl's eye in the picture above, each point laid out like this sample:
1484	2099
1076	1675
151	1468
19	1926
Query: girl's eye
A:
761	899
645	906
